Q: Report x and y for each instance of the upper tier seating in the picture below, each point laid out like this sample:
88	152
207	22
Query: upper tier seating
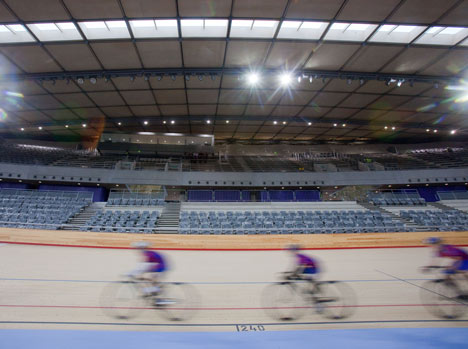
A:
461	205
134	202
123	221
39	210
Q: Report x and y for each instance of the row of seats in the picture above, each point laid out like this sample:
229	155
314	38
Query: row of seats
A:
451	220
134	202
33	210
122	221
398	201
286	222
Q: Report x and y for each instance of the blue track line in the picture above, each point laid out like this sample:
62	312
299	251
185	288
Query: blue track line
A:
198	283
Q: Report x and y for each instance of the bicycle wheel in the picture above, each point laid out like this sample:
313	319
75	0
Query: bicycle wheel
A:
335	300
178	301
122	300
283	301
442	299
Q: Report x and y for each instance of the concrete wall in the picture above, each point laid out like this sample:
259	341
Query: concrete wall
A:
238	179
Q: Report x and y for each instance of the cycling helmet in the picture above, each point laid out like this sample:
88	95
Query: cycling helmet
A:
293	247
433	241
140	244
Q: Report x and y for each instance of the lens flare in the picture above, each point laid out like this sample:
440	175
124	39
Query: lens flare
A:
3	114
14	94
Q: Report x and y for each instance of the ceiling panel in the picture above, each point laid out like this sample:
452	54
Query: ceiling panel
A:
149	8
331	56
260	110
199	96
358	100
421	11
412	59
38	10
203	8
88	113
43	102
160	54
340	113
138	97
246	53
111	57
288	111
61	115
74	100
231	109
205	53
116	111
396	116
367	114
234	96
389	102
289	55
259	8
329	99
457	16
6	15
33	116
314	9
371	58
297	97
313	112
451	64
92	9
202	109
74	56
32	59
417	104
103	99
375	11
170	96
247	129
174	109
145	110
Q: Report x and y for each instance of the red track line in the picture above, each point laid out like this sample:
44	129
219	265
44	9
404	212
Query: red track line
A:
215	308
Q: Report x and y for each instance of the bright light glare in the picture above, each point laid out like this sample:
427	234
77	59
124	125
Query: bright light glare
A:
404	29
358	26
339	26
46	26
453	132
285	79
253	78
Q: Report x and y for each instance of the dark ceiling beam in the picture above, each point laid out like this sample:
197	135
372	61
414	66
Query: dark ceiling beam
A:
214	73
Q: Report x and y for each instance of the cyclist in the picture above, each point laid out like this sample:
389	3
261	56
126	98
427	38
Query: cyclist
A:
460	257
151	269
305	266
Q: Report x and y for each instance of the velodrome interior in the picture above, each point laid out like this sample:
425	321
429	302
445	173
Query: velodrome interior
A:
221	132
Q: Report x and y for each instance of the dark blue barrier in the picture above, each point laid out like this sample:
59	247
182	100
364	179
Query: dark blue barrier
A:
6	185
227	195
281	195
307	195
430	193
200	195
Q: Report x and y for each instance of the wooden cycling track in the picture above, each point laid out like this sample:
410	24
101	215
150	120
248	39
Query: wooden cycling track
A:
55	287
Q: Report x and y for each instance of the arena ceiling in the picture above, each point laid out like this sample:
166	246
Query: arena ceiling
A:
387	70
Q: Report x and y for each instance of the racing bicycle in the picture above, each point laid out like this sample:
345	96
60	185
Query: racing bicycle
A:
290	298
445	297
126	299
